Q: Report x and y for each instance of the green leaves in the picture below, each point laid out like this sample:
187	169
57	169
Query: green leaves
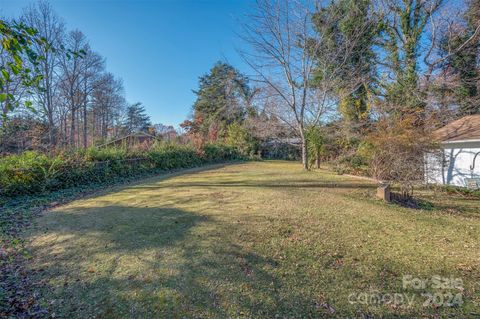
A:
34	172
29	105
221	99
5	75
16	41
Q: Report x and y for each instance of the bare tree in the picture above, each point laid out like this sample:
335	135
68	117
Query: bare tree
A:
92	67
108	105
449	36
277	32
76	101
72	79
50	27
452	58
285	51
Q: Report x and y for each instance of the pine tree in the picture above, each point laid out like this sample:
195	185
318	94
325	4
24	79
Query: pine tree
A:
220	100
136	119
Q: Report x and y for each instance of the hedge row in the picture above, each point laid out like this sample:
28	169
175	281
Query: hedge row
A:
33	172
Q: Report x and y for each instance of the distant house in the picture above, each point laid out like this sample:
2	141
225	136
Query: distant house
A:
457	162
132	140
282	148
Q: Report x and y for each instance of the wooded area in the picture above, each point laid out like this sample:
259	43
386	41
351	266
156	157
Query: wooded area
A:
362	83
359	83
75	101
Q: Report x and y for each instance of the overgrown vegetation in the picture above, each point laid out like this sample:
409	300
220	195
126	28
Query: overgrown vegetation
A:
32	181
349	68
33	172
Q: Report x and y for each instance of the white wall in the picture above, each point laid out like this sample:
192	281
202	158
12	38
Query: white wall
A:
451	165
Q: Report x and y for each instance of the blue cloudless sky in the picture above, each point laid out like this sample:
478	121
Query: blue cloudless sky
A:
159	48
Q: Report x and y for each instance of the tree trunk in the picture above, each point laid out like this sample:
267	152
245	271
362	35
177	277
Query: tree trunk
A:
52	133
78	140
304	153
317	159
72	127
85	139
65	130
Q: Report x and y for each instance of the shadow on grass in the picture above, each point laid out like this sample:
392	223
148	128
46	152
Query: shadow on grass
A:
144	262
262	184
118	261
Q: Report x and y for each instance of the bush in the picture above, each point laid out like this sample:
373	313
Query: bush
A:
28	172
241	139
355	159
170	156
354	163
220	152
33	172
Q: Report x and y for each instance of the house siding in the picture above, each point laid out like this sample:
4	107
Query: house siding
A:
451	164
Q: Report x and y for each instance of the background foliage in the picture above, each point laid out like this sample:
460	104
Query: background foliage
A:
34	172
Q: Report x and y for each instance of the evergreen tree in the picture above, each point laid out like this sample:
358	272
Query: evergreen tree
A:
220	100
464	65
136	119
352	28
404	26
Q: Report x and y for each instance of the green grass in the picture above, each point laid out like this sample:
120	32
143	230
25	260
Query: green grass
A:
253	240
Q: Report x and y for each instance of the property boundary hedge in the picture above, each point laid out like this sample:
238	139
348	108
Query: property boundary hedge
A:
33	172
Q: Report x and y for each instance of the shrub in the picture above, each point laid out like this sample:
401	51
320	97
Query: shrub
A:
399	144
220	152
171	156
28	172
241	139
457	190
356	161
33	172
105	154
315	144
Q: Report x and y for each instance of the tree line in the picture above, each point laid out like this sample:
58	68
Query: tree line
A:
362	81
68	96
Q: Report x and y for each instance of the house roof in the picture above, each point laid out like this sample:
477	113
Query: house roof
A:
465	129
133	135
286	140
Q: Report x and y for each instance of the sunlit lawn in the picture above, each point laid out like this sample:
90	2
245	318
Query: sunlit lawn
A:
258	240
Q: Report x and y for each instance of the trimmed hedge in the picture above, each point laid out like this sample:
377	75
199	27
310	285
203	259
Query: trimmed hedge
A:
33	172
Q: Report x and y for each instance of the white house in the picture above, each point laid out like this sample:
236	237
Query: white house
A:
457	162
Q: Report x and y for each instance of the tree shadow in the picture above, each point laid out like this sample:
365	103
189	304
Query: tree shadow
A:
124	228
163	262
118	261
262	184
159	177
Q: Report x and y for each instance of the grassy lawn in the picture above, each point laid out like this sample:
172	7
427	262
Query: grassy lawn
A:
253	240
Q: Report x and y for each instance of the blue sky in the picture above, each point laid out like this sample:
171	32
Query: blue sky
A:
159	48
